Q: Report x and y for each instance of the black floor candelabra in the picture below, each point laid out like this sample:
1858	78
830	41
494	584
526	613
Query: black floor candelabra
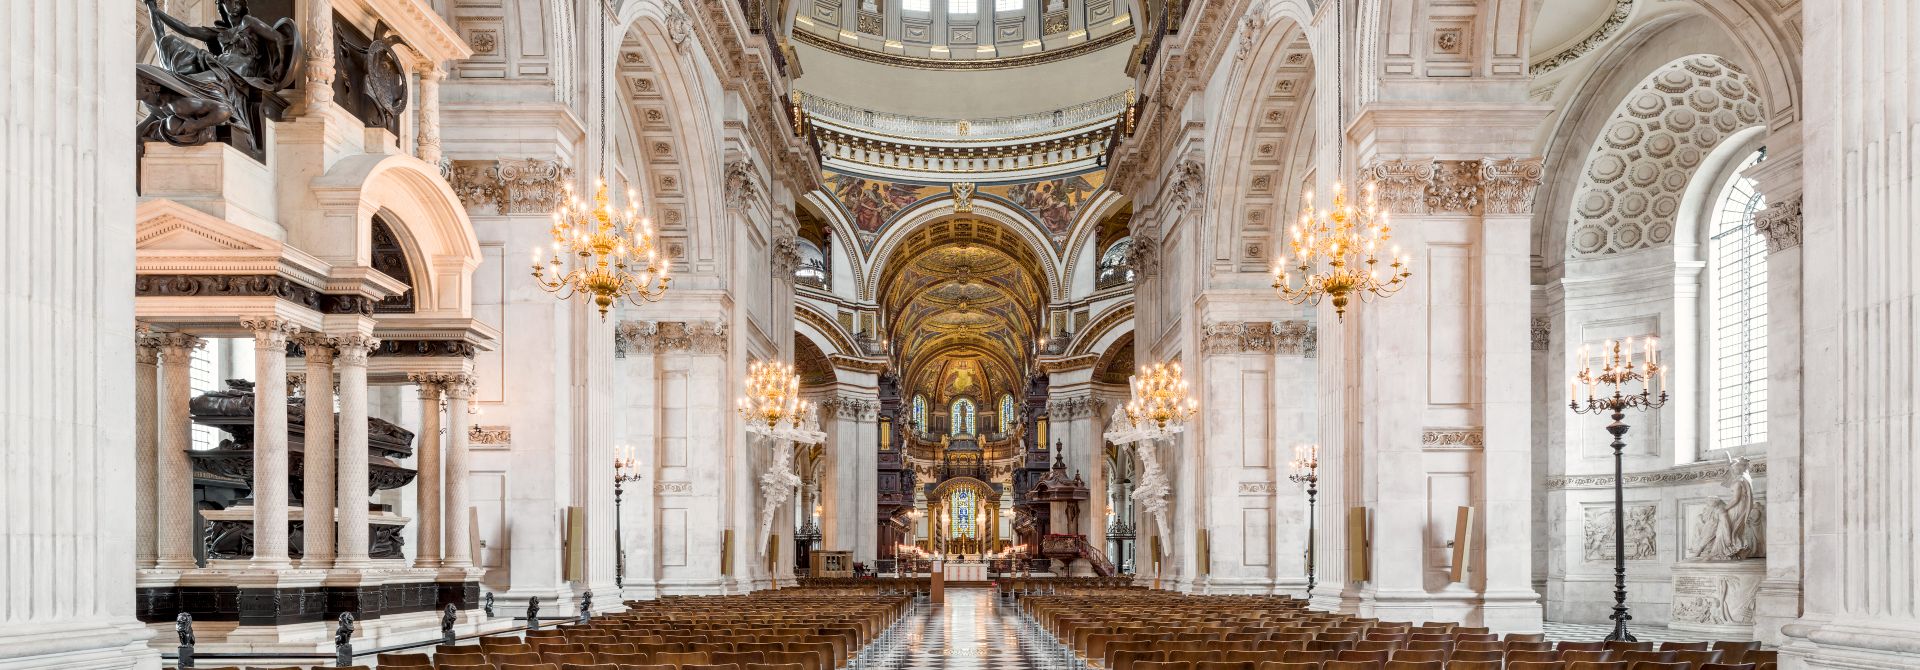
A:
1618	370
1306	470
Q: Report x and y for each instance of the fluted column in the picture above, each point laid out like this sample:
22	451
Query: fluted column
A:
270	441
427	142
318	460
318	33
352	476
459	391
146	440
173	485
427	483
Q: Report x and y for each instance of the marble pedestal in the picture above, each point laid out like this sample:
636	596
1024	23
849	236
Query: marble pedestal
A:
1717	598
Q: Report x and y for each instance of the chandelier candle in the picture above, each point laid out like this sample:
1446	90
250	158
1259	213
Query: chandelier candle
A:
1336	252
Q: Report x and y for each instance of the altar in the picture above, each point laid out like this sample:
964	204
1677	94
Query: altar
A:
965	571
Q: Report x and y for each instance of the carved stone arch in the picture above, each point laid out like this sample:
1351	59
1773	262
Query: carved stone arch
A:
668	93
390	258
1639	168
1085	231
820	328
1106	328
844	234
989	212
1271	113
424	215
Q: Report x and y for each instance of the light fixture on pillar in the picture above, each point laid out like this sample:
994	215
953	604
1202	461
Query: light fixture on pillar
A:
626	469
772	407
1160	404
1305	469
600	249
1336	251
1609	392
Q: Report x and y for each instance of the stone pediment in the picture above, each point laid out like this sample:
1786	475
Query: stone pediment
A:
172	238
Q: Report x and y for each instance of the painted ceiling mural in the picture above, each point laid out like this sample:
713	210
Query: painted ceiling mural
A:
872	203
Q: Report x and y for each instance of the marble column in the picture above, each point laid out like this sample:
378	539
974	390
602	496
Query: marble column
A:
146	441
458	553
427	143
318	461
270	441
66	387
317	32
173	486
427	483
351	483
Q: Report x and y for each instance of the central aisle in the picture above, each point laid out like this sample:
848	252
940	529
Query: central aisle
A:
967	633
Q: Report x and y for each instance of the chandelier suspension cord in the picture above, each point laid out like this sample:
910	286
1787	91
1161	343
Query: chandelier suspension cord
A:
1340	90
601	58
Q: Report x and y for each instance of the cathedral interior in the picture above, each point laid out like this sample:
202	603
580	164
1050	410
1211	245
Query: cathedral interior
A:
928	334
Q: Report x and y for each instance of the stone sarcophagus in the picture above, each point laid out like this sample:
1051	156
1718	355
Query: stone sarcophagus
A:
229	466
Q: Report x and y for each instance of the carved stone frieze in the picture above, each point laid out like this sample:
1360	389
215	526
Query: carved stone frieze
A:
1643	535
1290	338
489	436
673	488
229	286
511	186
1077	407
1257	488
1622	9
426	348
850	407
699	337
1780	223
1542	332
1686	474
1295	338
1507	185
1452	438
634	337
1455	187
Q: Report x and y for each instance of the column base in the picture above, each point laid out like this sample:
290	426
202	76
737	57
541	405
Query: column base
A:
1852	643
98	644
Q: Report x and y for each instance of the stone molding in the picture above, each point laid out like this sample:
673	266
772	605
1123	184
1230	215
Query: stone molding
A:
1286	338
1428	186
698	337
1679	476
673	488
1542	332
850	407
1780	223
1453	438
426	348
1077	407
1257	488
1622	9
489	436
511	185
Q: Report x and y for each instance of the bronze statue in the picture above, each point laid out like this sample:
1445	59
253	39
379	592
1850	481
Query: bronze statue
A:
224	84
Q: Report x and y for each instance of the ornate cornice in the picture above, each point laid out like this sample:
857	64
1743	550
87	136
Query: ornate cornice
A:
699	337
511	186
1452	438
1077	407
1428	186
1287	338
1622	9
1679	476
426	348
1069	363
1025	60
875	366
1780	223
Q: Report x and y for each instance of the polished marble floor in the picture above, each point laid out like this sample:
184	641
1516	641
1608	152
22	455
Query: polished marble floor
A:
969	632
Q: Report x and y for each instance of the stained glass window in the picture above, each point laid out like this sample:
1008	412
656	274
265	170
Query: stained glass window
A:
965	504
1006	414
919	411
962	417
1738	269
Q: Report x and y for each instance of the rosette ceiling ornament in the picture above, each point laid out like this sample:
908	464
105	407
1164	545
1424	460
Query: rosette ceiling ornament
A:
601	249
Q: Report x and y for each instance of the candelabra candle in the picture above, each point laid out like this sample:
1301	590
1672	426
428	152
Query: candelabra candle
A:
1610	392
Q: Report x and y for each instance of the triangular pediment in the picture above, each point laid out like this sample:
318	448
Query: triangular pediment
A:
168	226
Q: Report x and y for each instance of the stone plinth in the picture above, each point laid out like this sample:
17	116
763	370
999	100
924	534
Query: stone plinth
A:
1717	598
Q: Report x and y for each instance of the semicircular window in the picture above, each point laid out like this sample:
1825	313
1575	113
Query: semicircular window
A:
391	260
813	266
1116	264
1006	414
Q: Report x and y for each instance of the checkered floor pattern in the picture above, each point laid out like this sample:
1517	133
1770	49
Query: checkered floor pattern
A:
971	632
968	632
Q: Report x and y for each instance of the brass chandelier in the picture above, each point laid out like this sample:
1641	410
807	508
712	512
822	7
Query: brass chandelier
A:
1160	403
1336	251
602	250
772	404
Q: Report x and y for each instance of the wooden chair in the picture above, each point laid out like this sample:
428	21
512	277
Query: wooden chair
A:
1532	656
1536	665
588	666
1597	665
1462	664
1684	646
1735	652
775	666
1526	645
1727	666
1307	656
739	658
404	661
1569	645
1477	655
1398	664
1377	656
1586	656
681	658
1225	665
1421	655
1658	665
515	658
1371	644
1623	645
1162	665
1524	637
710	666
622	659
1286	665
582	657
528	666
1350	665
614	648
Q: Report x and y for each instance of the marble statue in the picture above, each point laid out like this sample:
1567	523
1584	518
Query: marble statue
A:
1729	530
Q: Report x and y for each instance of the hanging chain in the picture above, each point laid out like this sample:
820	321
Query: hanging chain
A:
601	58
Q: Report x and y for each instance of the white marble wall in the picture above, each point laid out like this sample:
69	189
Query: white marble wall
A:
66	374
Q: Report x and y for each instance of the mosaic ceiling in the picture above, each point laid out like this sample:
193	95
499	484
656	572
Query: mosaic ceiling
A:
962	302
1053	204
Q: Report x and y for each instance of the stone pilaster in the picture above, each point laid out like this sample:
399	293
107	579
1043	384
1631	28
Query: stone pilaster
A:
146	441
457	552
351	483
173	487
270	457
427	462
318	463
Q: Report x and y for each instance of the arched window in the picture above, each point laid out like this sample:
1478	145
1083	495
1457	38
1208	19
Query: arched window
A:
1115	265
919	411
1006	414
1737	354
965	507
961	417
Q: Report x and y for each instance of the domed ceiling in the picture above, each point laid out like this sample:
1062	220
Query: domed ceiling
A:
962	34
